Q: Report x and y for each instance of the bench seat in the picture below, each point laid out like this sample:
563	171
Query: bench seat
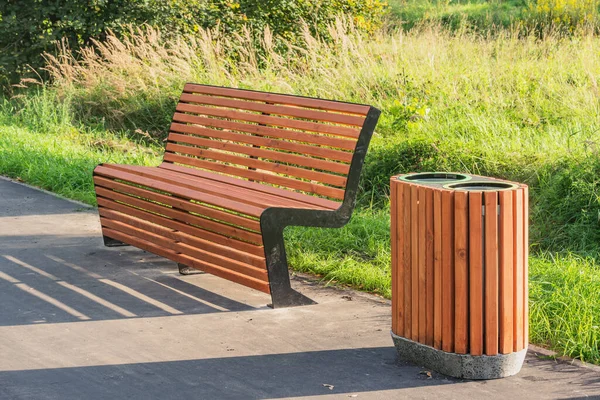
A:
220	207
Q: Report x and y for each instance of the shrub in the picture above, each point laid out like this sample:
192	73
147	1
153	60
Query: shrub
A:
565	14
32	27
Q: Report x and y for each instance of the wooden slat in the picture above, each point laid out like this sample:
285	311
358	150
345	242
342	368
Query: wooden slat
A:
166	237
461	274
506	246
309	201
475	274
414	260
304	161
422	282
185	233
214	226
272	109
525	266
300	148
180	204
179	191
429	256
437	269
265	119
236	193
518	270
277	98
213	269
298	136
447	271
491	273
407	256
327	191
396	268
296	172
242	251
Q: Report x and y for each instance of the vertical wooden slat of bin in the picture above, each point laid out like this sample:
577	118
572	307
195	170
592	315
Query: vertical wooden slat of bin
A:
505	252
429	265
448	271
422	265
475	274
437	269
461	275
407	258
525	266
491	273
518	270
414	260
396	267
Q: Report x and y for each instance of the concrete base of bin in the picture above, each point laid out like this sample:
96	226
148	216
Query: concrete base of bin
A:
463	366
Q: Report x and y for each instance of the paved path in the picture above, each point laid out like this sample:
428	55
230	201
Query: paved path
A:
80	321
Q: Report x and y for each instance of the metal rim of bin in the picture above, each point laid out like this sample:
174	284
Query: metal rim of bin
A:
435	177
481	186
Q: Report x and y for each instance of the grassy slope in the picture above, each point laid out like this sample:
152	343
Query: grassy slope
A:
521	109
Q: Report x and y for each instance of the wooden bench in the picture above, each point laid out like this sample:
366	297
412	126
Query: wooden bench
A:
239	167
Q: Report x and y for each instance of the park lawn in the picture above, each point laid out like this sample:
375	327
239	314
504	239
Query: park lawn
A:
517	108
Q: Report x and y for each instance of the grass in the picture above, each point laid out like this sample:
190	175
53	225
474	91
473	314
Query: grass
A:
506	105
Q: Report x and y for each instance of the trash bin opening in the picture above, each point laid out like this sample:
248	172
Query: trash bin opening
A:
435	177
481	186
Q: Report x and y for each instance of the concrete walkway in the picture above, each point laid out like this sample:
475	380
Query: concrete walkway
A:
80	321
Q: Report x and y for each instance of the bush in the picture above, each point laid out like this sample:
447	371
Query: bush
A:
32	27
565	14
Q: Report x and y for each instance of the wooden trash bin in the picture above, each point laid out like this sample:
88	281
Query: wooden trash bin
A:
459	273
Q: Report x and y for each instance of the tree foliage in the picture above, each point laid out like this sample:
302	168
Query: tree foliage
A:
32	27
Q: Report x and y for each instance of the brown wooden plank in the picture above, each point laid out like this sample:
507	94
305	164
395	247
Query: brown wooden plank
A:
437	269
308	162
525	265
272	109
518	270
229	218
273	143
214	226
309	200
187	234
258	176
448	271
414	260
213	269
461	273
422	249
405	188
491	273
506	247
265	119
278	98
234	253
166	237
242	251
179	191
298	136
476	283
221	189
429	256
296	172
396	268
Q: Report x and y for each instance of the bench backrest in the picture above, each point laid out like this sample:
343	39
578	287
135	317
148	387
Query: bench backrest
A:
292	142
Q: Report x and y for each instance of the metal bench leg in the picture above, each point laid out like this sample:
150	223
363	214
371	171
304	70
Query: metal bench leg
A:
282	294
185	270
110	242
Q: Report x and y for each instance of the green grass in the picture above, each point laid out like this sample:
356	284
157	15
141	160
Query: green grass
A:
479	14
511	106
39	146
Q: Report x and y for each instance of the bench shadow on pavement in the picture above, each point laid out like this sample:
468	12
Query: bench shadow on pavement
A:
69	279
